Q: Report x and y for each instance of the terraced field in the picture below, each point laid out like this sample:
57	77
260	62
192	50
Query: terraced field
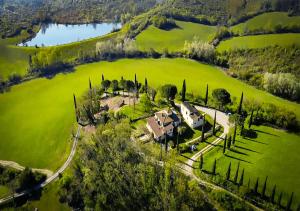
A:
259	41
174	39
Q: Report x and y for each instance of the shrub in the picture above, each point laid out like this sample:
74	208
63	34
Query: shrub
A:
198	49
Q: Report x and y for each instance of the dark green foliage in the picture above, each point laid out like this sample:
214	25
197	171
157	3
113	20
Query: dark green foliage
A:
234	133
289	204
137	184
169	91
183	91
237	173
162	22
272	198
228	172
263	192
239	111
102	77
90	84
279	199
27	179
241	182
256	186
214	167
229	142
206	95
114	85
251	119
105	84
203	129
221	96
146	86
201	162
214	126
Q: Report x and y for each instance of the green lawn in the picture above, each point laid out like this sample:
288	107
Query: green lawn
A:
259	41
37	116
174	39
4	191
266	21
274	153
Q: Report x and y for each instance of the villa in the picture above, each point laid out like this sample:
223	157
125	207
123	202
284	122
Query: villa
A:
191	115
162	124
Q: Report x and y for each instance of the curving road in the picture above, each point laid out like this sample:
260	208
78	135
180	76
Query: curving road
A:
49	179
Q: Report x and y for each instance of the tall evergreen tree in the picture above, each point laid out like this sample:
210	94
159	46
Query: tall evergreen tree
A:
241	104
90	84
224	147
229	142
263	192
279	199
273	194
242	178
214	167
146	86
135	80
214	127
103	77
206	95
183	91
203	130
237	173
201	162
289	204
75	106
228	172
251	119
256	186
248	185
234	133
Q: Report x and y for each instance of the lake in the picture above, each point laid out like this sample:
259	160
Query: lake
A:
57	34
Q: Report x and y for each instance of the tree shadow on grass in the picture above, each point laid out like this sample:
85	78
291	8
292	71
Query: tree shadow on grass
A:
185	164
244	148
238	159
255	141
238	152
51	73
188	158
271	134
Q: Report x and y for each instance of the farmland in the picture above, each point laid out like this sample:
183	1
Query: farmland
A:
37	116
259	41
174	39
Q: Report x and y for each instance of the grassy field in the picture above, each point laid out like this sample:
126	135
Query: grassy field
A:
4	191
259	41
37	116
267	22
174	39
271	154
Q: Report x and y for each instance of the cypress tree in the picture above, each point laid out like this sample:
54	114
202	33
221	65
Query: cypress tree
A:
263	192
241	104
256	186
75	102
201	162
146	86
214	167
183	91
273	194
103	77
289	204
228	172
135	80
206	95
241	179
298	208
248	185
224	147
203	132
229	143
236	173
214	127
279	199
251	119
234	133
90	84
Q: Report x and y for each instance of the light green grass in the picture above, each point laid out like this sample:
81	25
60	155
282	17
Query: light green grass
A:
259	41
273	153
267	22
4	191
37	116
174	39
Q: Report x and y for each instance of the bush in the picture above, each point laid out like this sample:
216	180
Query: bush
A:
162	22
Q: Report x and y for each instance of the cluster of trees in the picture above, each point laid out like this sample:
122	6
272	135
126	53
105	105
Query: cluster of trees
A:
251	66
20	180
100	182
162	22
198	49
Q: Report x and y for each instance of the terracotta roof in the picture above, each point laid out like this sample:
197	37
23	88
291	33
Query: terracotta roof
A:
158	132
163	117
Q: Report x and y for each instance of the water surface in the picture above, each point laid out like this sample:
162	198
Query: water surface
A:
57	34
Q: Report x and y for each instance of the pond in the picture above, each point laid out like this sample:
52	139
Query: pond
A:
57	34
